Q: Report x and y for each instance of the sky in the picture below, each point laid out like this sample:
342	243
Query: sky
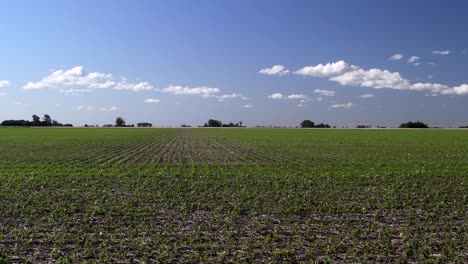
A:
344	63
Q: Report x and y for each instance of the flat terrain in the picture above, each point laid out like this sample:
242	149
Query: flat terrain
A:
233	195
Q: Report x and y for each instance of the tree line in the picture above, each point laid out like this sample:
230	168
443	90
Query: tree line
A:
217	123
46	121
310	124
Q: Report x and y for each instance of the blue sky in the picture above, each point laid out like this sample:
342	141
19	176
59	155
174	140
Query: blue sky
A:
183	62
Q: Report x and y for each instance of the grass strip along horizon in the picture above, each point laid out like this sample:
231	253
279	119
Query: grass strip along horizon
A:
233	195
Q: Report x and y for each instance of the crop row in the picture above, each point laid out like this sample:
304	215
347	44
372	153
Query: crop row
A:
161	150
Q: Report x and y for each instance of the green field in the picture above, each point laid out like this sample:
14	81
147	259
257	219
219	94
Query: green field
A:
233	195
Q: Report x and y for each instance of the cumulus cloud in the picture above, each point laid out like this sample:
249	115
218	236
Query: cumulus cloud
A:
78	77
461	90
152	101
4	83
324	92
109	109
291	96
275	70
276	96
367	96
396	57
247	106
375	78
320	99
136	87
413	59
296	96
300	105
200	91
3	94
441	52
327	70
347	106
231	96
351	75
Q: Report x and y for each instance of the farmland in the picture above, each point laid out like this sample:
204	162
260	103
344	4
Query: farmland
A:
233	195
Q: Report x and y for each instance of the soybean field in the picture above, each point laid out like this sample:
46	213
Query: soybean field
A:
170	195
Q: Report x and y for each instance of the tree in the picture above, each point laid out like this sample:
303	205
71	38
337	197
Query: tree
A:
47	121
214	123
16	123
417	124
322	125
119	122
36	120
144	124
307	124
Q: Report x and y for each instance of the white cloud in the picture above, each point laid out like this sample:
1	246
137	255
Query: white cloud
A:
275	70
300	105
413	59
201	91
231	96
3	94
375	78
152	101
324	92
73	77
327	70
247	106
296	96
276	96
4	83
367	96
85	108
346	106
441	52
462	89
351	75
109	109
429	76
320	99
291	96
136	87
78	77
104	85
396	57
